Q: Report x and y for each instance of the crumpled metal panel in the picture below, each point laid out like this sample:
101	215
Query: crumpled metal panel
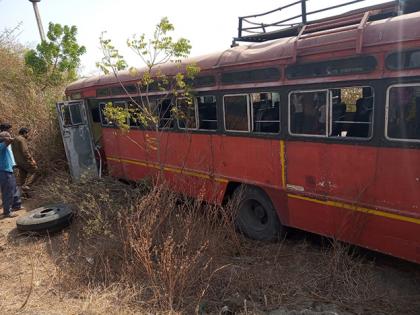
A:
78	144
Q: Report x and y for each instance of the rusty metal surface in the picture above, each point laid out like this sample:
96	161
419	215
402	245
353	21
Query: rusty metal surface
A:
78	144
393	31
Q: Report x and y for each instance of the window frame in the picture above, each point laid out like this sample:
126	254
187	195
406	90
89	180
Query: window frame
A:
114	103
159	102
72	124
387	112
373	113
272	78
327	113
252	114
198	113
195	115
396	52
366	58
247	109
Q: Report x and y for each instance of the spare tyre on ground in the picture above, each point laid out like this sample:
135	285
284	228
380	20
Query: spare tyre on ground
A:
50	218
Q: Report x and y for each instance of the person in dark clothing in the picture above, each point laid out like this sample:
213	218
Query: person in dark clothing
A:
24	161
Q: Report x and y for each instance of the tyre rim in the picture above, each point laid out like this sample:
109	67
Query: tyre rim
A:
254	215
46	212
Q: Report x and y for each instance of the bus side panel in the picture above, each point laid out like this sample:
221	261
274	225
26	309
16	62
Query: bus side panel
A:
363	195
387	235
397	180
111	147
331	170
253	161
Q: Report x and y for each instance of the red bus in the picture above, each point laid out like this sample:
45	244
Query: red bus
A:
321	131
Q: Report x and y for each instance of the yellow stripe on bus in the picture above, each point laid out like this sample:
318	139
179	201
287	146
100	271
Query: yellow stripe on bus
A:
357	208
323	202
177	170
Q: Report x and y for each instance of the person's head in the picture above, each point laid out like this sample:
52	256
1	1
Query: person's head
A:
5	137
24	132
5	127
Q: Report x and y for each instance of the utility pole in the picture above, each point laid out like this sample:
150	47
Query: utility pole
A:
38	19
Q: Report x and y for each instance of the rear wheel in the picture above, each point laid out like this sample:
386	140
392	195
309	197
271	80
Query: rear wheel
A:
256	216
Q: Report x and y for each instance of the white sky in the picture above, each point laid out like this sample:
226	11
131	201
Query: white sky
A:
209	25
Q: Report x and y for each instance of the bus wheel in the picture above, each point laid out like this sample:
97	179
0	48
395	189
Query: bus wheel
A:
256	216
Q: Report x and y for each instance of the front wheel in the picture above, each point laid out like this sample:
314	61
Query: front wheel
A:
256	216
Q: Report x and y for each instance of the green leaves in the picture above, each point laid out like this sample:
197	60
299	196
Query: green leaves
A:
112	60
159	49
56	60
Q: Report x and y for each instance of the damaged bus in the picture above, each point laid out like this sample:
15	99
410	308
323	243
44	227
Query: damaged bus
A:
318	124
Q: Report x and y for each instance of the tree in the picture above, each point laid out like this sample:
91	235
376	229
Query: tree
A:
160	49
56	60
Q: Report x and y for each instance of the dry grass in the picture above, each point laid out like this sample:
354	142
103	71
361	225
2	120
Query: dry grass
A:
23	104
181	256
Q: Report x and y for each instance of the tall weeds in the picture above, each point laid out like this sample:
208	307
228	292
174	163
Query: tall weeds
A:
23	104
144	234
183	256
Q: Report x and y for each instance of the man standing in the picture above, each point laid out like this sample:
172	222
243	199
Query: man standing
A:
9	192
25	163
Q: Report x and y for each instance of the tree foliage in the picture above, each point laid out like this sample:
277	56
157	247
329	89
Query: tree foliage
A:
57	59
159	49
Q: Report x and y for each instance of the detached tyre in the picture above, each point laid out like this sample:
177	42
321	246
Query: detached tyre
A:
256	216
49	218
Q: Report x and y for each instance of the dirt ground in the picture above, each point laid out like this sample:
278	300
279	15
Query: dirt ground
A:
32	283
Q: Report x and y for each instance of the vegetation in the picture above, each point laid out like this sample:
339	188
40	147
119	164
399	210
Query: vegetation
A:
55	61
159	254
31	82
160	49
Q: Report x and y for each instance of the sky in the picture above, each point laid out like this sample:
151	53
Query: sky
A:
209	25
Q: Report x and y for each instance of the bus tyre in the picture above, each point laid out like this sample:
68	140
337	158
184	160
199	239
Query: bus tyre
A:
256	217
49	218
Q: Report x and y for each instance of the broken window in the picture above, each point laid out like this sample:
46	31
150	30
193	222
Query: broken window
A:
164	113
71	114
186	113
207	112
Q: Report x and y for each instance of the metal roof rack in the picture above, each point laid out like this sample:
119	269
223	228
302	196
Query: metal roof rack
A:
251	30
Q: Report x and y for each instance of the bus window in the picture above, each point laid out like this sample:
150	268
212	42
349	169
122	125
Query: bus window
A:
308	113
135	114
65	110
236	112
403	113
76	116
266	112
403	60
351	112
164	108
207	112
104	120
186	114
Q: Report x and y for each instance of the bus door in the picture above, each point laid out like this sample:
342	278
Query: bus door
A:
77	139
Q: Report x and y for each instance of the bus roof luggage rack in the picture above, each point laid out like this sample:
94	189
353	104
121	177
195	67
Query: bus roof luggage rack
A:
298	25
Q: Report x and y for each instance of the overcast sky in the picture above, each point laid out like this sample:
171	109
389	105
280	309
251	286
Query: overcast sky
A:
209	25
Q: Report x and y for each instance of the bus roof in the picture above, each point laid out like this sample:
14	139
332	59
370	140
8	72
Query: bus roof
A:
388	32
